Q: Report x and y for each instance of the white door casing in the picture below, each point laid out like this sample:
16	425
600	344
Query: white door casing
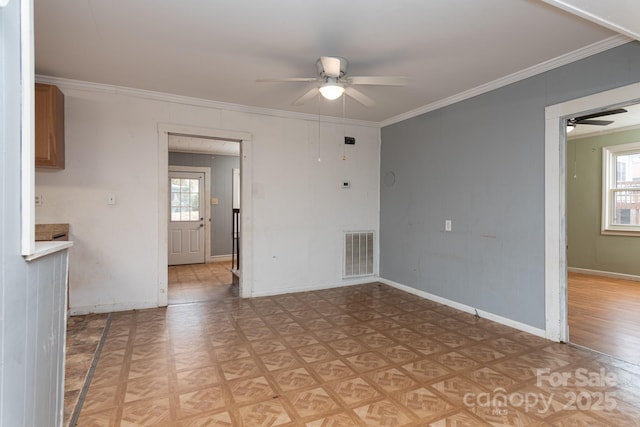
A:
186	218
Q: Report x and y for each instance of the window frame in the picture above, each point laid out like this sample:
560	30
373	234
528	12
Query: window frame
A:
610	154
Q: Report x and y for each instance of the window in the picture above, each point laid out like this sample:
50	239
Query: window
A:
185	199
621	189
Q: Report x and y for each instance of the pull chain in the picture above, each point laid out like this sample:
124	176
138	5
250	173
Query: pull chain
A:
319	156
344	125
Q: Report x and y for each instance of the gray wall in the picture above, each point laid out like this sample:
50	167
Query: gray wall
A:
221	177
588	248
32	295
480	163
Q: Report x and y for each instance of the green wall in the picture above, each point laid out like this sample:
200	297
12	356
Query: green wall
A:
587	247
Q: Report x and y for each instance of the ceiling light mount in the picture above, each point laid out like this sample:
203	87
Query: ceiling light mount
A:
570	126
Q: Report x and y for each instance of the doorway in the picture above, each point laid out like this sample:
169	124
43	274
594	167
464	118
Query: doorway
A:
190	280
200	278
201	140
603	207
556	263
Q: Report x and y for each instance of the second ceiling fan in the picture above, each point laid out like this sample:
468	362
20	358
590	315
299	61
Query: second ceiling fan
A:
588	119
333	81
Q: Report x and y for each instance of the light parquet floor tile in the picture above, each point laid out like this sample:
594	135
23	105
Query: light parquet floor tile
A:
355	391
264	414
203	400
221	419
338	420
197	378
312	403
383	413
423	403
294	379
142	413
366	355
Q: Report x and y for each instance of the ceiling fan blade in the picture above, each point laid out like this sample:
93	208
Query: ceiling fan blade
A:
378	80
307	96
331	66
360	97
593	122
289	79
600	114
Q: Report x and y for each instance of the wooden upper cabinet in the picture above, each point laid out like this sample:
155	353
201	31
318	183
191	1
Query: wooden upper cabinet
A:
49	121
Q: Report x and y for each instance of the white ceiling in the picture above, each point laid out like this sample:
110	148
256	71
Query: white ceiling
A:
190	144
217	49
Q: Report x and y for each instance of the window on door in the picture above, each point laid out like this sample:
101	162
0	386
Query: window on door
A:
185	199
621	189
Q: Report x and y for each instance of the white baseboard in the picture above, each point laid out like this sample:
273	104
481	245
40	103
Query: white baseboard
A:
467	309
219	258
90	309
353	282
604	273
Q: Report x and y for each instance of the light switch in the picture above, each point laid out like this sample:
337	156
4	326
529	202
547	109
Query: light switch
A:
214	200
111	199
447	225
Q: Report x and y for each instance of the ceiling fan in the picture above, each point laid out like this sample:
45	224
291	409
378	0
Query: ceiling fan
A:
333	81
588	119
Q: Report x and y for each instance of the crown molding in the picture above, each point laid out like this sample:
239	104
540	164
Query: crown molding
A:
588	13
196	102
559	61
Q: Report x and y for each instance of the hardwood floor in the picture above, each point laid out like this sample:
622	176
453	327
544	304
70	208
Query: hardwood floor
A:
604	315
200	282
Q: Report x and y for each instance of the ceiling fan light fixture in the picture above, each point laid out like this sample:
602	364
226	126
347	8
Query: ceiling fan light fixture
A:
331	90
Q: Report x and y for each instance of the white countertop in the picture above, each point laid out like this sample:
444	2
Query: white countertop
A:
47	248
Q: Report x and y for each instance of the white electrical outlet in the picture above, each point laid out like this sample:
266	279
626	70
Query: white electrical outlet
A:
447	225
38	200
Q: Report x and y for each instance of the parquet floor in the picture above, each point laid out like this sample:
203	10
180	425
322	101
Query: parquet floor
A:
83	335
604	315
366	355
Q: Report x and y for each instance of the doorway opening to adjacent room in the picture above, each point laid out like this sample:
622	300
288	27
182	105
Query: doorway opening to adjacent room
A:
603	232
203	181
201	226
569	316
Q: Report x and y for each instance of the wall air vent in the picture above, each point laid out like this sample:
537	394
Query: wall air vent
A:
358	253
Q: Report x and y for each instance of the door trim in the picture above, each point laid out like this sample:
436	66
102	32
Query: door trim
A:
555	209
207	205
246	163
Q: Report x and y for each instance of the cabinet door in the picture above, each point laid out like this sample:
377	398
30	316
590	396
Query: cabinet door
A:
49	127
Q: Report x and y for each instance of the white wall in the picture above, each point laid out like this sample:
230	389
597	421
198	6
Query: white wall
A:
299	210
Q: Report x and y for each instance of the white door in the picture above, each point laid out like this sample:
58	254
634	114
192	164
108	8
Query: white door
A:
186	218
